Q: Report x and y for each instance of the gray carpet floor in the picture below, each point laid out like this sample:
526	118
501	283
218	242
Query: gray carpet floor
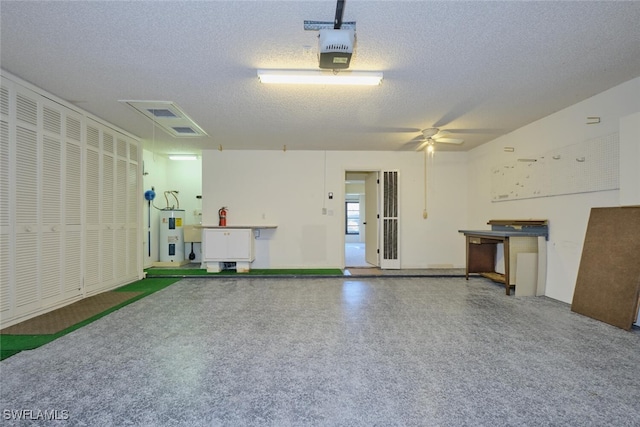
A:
381	351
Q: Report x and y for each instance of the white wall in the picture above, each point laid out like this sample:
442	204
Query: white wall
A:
630	159
568	214
154	176
289	189
165	175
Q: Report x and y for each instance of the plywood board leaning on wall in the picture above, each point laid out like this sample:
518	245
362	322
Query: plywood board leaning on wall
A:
608	283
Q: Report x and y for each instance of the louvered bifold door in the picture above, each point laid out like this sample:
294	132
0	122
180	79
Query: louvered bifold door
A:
72	166
6	293
52	230
92	238
390	245
120	215
134	250
27	205
107	203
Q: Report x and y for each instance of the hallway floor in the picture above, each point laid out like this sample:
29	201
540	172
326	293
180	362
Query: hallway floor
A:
383	351
354	255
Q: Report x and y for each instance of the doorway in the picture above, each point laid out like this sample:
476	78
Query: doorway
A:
361	219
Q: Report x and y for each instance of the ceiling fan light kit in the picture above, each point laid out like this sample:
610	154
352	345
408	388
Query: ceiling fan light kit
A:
435	135
320	77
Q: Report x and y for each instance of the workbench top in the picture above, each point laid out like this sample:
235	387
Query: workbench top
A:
504	233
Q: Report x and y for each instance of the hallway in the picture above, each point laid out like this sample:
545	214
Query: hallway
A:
354	255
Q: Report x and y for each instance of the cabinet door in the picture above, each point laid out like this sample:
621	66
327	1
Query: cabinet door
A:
215	245
239	245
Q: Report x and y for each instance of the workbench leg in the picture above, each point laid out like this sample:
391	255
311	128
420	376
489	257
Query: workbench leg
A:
466	270
507	278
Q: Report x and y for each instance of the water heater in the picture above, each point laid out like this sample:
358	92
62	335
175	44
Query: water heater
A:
172	235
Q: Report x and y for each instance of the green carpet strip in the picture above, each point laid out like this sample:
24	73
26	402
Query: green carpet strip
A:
13	344
185	272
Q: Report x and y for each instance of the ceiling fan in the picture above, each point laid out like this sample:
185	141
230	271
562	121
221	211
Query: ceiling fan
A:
434	136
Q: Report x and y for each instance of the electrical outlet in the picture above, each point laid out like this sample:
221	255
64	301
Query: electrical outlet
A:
324	211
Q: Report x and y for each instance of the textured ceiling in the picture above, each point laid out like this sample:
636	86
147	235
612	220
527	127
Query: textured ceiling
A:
481	68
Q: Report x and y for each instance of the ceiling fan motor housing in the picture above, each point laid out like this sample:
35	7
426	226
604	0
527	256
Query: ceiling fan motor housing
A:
335	48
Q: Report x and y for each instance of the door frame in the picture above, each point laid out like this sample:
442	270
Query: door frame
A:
377	213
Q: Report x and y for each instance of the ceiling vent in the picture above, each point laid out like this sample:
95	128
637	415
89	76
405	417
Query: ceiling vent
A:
169	117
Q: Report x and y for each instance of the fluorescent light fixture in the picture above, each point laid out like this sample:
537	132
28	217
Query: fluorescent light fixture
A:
320	77
183	157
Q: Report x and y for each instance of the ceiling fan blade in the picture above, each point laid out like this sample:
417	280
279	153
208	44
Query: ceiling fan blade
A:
422	145
449	140
442	134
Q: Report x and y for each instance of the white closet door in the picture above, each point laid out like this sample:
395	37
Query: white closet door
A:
120	262
111	209
72	251
134	249
51	237
92	238
27	198
69	214
6	294
107	202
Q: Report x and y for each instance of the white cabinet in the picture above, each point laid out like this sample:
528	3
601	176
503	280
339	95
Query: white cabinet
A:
227	245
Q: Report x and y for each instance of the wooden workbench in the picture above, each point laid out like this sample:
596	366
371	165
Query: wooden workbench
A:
516	236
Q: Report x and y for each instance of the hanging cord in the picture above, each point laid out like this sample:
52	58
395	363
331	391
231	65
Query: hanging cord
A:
424	212
427	170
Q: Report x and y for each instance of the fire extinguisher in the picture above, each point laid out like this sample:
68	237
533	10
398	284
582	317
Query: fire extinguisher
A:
222	214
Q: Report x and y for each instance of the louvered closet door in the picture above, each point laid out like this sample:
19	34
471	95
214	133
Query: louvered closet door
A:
6	294
27	205
72	207
133	212
111	209
68	204
390	257
36	189
51	236
92	240
108	201
120	214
